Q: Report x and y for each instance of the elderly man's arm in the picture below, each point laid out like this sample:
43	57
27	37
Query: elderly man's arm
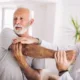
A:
30	73
37	51
32	48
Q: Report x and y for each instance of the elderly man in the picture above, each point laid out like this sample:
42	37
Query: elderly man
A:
9	69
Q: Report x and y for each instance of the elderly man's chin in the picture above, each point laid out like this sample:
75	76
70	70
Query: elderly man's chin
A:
20	31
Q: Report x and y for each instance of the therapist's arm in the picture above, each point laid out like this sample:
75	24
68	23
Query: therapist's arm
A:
63	64
30	73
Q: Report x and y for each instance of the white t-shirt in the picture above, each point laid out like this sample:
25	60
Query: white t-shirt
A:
9	69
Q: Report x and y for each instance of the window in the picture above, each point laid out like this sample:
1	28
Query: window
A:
0	19
8	17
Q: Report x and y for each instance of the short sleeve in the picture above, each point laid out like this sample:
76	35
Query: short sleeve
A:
38	63
6	37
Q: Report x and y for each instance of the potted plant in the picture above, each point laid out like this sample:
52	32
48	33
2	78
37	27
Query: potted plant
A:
77	28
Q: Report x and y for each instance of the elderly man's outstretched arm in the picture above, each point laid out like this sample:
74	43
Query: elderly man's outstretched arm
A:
37	51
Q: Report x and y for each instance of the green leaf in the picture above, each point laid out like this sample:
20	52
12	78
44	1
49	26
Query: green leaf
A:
75	23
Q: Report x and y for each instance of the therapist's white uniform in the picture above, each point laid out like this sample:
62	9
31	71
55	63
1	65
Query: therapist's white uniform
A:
74	73
9	68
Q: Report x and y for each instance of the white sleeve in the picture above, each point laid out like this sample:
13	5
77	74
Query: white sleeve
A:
48	45
66	76
38	63
6	37
55	47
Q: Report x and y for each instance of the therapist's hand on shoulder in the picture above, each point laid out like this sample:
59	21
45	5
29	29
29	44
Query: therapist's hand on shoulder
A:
26	40
61	61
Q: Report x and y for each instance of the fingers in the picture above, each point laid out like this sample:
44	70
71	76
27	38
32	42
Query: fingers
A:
60	56
64	56
20	48
19	39
73	58
25	40
55	56
15	48
61	61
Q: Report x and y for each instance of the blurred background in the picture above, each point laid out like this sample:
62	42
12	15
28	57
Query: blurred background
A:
52	21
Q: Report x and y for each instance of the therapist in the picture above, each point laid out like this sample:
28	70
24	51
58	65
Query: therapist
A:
63	65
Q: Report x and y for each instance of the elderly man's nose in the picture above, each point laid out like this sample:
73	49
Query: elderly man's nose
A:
17	21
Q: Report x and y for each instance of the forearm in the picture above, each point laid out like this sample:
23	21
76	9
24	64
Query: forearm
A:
37	51
30	73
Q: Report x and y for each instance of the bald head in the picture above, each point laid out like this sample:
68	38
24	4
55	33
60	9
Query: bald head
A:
22	11
26	11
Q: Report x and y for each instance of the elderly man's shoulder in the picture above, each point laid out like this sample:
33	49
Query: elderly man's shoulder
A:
6	30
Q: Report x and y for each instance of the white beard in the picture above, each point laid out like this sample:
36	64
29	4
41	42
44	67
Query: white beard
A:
22	31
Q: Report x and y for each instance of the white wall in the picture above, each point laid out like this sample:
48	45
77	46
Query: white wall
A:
64	31
44	22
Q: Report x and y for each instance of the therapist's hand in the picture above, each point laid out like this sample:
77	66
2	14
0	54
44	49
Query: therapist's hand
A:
61	61
26	40
17	53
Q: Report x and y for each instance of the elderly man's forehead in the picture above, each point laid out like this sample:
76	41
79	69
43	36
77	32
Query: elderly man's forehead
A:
22	11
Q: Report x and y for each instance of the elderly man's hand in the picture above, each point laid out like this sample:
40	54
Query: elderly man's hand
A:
61	61
17	53
25	40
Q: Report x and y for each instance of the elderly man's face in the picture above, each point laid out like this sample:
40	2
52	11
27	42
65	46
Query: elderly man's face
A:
21	19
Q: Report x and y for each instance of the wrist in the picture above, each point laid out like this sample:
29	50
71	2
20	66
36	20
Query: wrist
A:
24	66
39	41
23	63
62	72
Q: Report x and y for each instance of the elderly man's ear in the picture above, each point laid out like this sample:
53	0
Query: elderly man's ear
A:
31	21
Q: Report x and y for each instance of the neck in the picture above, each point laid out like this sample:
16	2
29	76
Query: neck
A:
24	35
